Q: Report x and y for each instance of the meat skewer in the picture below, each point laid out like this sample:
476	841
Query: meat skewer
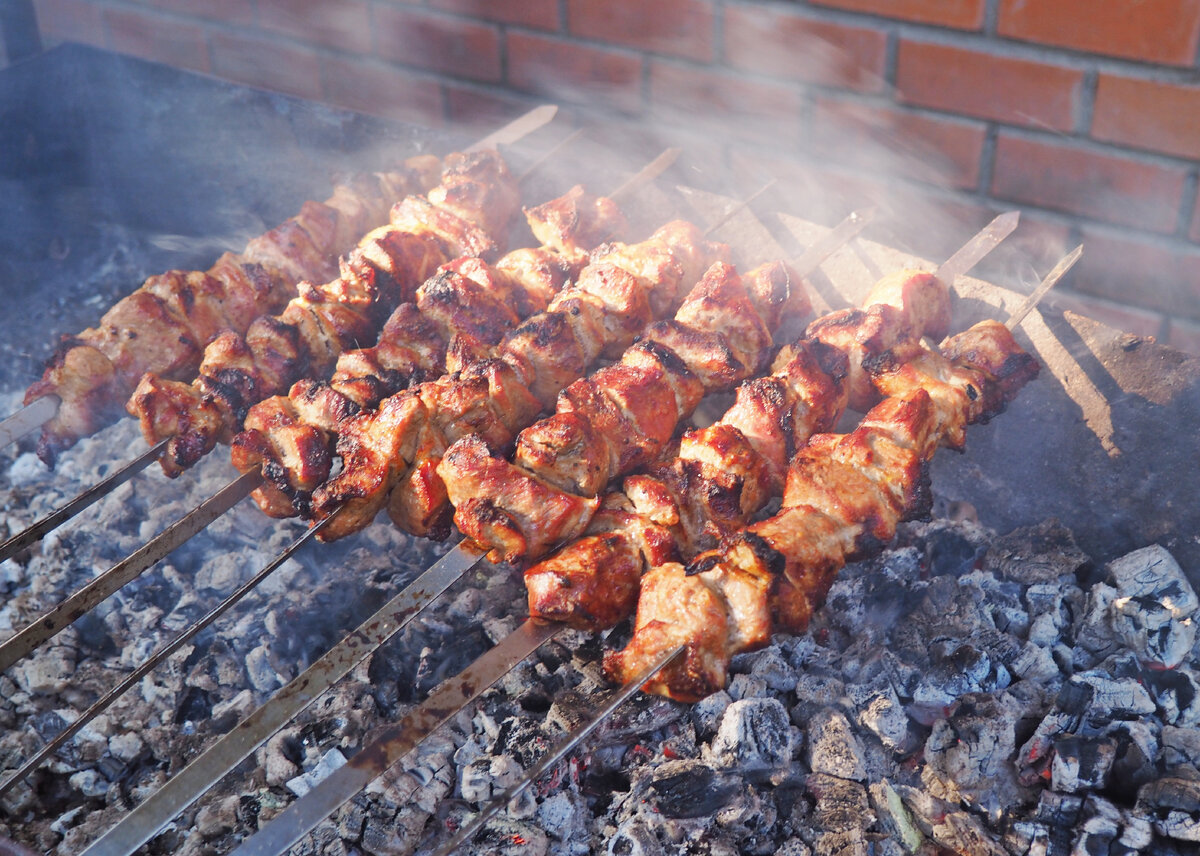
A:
231	748
844	498
394	742
463	215
550	491
90	374
458	316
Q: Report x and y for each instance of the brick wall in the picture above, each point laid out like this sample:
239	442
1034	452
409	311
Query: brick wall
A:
1083	113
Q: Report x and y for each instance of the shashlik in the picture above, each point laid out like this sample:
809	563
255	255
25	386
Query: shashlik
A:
618	419
390	456
722	475
165	324
460	216
844	498
459	316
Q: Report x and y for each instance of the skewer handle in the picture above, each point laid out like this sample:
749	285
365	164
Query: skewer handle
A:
1052	279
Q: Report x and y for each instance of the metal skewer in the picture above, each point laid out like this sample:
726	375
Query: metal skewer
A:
42	410
1035	297
380	754
230	749
559	752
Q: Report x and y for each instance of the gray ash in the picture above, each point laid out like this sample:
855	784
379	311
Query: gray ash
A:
962	693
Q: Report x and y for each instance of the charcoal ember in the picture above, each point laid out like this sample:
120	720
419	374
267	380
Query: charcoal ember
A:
1154	606
48	670
1181	748
330	761
1082	763
747	686
1177	694
833	748
1095	639
635	837
563	816
1108	828
841	816
1173	803
962	670
771	666
947	611
706	714
691	789
1101	697
1035	663
879	710
1045	553
815	691
949	826
968	753
755	735
218	818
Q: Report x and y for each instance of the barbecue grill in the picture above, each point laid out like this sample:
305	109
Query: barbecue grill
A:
117	168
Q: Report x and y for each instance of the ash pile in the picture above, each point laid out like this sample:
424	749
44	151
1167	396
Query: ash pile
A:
963	693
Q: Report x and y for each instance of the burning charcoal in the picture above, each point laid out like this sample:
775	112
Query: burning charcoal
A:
968	753
815	692
1109	829
833	747
747	686
1181	747
1105	698
948	826
842	815
690	789
49	671
1038	554
754	735
966	669
635	838
1154	606
772	666
1035	663
707	713
1173	803
1095	639
1081	763
879	711
1177	693
564	816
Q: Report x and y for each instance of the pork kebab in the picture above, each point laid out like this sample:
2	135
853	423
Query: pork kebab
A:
393	742
463	215
165	324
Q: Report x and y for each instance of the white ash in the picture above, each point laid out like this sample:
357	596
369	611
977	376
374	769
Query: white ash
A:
962	693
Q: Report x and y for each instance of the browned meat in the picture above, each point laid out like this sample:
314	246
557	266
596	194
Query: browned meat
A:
844	498
544	354
165	325
322	321
618	419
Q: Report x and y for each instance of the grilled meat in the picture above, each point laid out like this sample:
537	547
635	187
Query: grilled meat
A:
166	323
238	370
844	497
617	420
459	317
395	451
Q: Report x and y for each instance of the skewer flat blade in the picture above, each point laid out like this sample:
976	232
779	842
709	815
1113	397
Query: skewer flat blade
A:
1035	297
127	569
516	129
145	821
646	174
392	742
829	243
973	251
31	416
559	752
89	497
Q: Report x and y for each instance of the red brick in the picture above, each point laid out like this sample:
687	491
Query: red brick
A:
153	37
535	14
959	14
682	28
266	64
441	43
778	42
344	24
1141	271
227	11
70	20
1127	319
1106	187
1184	336
1162	117
944	152
573	72
987	86
730	103
372	87
1163	31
